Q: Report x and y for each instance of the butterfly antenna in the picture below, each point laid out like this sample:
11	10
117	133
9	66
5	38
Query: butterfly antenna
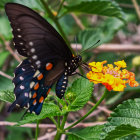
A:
90	47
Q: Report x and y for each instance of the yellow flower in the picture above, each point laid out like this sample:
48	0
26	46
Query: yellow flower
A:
120	64
111	77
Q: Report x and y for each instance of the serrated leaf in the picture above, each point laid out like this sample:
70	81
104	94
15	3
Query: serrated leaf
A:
49	109
121	131
98	7
89	133
7	96
78	94
127	9
127	113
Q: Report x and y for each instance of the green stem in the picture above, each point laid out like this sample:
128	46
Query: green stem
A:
60	7
56	23
58	135
61	129
64	121
58	121
91	110
37	130
54	121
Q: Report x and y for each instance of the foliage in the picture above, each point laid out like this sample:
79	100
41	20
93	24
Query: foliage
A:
88	21
88	133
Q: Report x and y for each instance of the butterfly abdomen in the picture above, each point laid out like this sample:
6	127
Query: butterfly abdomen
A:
61	85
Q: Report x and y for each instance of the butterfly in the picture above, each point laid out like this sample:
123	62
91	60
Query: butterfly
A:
48	60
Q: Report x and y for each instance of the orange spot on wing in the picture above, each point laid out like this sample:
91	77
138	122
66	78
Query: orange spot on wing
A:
48	91
40	76
34	95
34	102
41	99
49	66
36	86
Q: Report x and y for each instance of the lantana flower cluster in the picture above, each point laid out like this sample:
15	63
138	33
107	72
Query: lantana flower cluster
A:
112	77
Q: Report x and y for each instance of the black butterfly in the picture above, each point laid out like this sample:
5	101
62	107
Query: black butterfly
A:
49	60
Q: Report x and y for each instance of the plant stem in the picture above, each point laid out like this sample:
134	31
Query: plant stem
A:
54	121
37	130
136	8
64	121
91	110
60	7
58	121
56	23
61	129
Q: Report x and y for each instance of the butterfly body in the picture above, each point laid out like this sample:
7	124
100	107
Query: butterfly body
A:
48	58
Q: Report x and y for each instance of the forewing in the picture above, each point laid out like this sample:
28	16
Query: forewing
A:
34	37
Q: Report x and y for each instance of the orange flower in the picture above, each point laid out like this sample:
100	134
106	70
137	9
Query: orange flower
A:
111	77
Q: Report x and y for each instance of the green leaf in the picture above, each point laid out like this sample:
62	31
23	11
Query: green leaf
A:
3	56
35	4
121	131
109	56
78	94
49	109
104	32
127	6
127	113
7	96
89	133
5	84
17	133
98	7
5	29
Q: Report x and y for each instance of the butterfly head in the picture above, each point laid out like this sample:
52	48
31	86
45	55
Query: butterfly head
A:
78	59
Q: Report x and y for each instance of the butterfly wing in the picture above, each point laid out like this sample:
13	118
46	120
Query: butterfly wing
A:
34	37
46	53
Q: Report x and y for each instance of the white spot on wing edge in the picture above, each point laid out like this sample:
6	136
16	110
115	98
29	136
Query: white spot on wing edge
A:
34	56
65	73
65	77
21	43
23	69
31	43
21	78
22	87
19	36
37	62
26	94
18	29
32	50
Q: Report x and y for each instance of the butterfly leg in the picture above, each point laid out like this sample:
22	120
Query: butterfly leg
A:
74	73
